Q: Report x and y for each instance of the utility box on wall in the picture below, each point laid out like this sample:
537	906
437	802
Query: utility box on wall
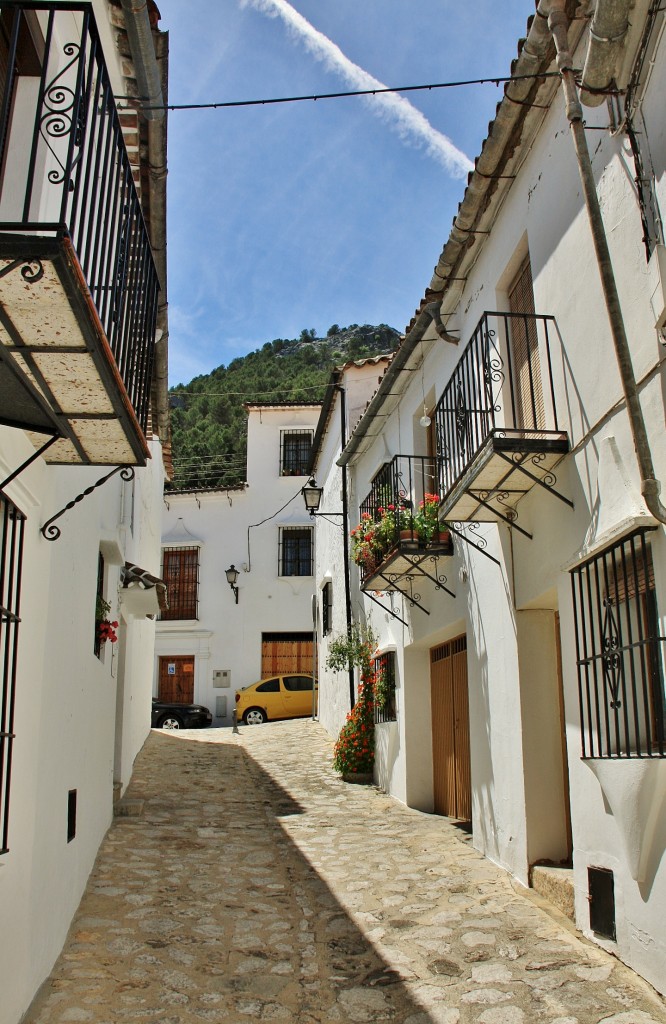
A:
221	707
222	677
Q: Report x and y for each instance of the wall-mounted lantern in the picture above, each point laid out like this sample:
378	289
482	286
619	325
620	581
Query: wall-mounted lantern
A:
232	578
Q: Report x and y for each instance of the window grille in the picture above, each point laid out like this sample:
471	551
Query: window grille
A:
327	609
385	710
12	523
295	452
619	653
295	551
180	572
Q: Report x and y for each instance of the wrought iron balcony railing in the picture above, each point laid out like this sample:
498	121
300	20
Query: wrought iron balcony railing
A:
496	422
70	214
399	532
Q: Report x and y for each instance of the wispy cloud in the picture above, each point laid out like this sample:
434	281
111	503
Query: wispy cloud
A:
409	123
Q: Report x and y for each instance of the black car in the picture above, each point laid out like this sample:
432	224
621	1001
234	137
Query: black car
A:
166	715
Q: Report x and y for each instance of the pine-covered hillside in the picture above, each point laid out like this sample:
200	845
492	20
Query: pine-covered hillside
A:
209	424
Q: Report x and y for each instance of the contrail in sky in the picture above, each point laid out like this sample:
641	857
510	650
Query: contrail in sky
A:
402	117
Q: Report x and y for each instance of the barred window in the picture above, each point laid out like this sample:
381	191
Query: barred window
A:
100	605
180	572
295	451
295	551
385	704
619	653
327	608
12	523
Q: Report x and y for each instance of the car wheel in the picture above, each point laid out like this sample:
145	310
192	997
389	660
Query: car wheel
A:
254	716
170	722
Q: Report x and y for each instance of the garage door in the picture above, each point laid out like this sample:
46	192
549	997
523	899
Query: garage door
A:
283	653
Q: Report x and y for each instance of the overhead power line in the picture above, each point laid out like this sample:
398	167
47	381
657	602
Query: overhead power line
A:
497	80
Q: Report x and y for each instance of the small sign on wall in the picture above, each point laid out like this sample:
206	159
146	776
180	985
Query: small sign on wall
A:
171	668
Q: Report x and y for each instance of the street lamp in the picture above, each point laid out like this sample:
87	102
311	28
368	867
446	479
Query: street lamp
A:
312	498
232	577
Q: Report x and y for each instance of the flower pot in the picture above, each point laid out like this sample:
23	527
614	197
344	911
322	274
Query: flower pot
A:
359	778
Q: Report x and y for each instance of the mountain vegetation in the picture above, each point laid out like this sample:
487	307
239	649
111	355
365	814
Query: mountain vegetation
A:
208	421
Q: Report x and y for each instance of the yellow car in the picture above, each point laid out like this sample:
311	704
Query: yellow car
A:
288	696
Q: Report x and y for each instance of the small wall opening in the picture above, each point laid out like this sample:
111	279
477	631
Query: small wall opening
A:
71	815
601	889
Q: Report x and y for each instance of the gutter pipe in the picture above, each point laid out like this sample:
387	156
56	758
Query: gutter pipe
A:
554	12
345	537
610	24
142	48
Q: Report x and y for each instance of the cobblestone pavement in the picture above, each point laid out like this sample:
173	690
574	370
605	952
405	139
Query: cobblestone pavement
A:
255	885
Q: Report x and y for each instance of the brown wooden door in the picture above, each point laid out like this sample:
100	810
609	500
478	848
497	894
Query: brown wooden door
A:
450	730
282	655
176	679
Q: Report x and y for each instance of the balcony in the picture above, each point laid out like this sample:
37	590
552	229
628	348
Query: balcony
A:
400	516
78	286
496	422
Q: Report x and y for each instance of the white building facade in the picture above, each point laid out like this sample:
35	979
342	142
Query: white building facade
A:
82	424
214	640
526	648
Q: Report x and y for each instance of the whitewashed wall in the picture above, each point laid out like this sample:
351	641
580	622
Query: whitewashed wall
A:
67	735
228	635
520	794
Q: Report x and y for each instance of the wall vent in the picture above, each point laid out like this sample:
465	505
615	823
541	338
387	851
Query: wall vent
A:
71	815
601	888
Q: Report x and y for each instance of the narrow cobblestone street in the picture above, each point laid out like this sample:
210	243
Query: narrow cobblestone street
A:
249	882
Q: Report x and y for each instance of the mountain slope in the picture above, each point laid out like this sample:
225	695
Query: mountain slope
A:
209	424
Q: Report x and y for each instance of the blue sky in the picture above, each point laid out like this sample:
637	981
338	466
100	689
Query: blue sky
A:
304	215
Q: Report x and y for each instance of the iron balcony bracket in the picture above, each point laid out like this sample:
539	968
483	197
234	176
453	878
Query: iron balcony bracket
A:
32	269
394	584
544	481
509	517
28	461
384	608
481	546
439	580
51	532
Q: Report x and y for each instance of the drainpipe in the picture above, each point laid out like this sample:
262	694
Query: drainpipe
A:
142	48
345	534
554	11
610	24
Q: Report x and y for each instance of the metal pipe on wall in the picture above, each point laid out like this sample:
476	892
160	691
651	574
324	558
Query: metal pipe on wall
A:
557	19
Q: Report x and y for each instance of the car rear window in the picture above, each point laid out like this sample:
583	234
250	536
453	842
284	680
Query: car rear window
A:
270	686
297	682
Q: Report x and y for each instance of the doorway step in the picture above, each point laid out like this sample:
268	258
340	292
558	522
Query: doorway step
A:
555	884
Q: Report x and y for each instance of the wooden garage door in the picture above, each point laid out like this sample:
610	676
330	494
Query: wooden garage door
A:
450	729
286	653
176	679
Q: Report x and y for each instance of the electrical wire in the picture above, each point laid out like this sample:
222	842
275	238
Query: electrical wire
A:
254	394
496	80
252	526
